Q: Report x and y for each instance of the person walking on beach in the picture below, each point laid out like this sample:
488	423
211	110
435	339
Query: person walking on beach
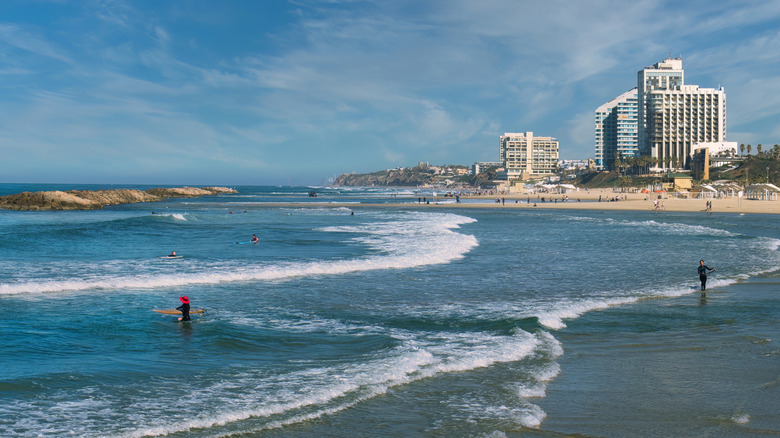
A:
184	308
703	271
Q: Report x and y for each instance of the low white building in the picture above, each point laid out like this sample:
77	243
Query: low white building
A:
718	147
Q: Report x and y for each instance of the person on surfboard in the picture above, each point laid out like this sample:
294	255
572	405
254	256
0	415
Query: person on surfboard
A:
703	271
185	308
172	254
255	239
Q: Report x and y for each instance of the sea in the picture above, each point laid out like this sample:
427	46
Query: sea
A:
354	318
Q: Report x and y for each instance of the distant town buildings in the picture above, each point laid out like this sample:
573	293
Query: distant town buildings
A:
525	156
671	117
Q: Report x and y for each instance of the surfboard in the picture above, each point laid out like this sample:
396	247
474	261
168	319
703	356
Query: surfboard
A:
248	241
170	257
178	312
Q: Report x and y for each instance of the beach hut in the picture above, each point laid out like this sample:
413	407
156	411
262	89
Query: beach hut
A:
705	191
726	189
762	192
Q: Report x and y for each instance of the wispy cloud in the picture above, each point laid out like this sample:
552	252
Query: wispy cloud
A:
292	88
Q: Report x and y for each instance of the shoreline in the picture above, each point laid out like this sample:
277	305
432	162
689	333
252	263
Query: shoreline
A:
732	205
579	200
706	373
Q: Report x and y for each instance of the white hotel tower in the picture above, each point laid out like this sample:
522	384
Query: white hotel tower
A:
673	116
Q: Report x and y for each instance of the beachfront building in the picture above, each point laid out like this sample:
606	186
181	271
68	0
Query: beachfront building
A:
525	156
480	166
718	148
672	116
616	130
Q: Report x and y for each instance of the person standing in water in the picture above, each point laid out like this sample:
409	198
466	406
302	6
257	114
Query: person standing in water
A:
703	271
184	308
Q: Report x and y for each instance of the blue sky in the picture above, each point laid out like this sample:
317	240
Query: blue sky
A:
295	92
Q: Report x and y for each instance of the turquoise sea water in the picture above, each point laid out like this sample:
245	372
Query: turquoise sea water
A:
402	321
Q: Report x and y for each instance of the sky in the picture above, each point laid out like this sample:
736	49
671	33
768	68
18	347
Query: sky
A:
301	91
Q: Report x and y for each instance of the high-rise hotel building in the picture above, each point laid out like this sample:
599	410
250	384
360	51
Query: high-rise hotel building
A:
673	116
525	156
616	130
670	118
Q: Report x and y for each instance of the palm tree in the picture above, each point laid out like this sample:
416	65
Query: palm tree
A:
618	162
644	163
758	150
748	149
742	149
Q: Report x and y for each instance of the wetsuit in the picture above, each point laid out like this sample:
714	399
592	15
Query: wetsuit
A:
185	311
703	275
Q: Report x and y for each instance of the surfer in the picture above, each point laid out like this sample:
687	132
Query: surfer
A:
185	309
255	239
703	271
172	254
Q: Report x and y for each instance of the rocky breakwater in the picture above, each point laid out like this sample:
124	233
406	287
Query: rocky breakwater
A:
189	192
97	199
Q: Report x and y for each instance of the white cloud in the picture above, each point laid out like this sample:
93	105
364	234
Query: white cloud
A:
415	80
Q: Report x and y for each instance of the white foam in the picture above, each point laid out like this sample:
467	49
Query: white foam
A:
419	239
268	401
553	318
666	227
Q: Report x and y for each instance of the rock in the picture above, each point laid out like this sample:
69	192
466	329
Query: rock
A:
116	196
50	200
219	190
188	192
97	199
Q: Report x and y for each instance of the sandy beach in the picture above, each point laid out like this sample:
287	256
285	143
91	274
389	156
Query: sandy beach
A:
582	200
631	201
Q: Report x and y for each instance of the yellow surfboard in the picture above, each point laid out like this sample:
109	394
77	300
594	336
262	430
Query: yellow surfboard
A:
178	312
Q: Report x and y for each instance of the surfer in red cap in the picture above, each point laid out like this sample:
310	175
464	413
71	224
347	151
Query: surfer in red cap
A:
185	309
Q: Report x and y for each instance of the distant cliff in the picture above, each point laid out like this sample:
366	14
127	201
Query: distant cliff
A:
97	199
394	177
